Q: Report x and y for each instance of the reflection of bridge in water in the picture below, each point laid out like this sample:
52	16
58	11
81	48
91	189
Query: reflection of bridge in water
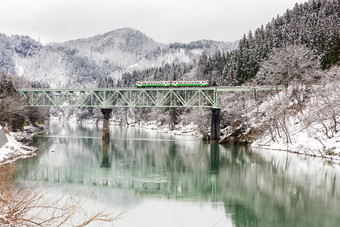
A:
106	99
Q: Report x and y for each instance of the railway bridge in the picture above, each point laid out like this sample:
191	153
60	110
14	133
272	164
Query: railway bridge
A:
109	98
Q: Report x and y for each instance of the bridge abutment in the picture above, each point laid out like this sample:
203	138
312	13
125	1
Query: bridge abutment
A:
215	125
106	124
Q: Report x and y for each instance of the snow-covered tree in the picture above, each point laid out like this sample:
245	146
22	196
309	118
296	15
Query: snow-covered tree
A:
289	64
322	118
13	112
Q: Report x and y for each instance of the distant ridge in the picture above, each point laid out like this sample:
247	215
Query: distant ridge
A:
82	62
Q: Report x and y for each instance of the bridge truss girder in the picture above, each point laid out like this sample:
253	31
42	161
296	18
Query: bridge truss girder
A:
122	97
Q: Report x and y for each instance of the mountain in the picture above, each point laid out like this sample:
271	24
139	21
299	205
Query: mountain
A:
83	62
122	47
182	53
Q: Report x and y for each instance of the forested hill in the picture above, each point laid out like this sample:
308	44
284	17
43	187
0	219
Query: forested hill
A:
88	62
314	24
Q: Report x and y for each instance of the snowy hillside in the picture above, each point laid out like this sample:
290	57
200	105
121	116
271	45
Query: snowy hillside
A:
83	62
122	47
314	129
181	53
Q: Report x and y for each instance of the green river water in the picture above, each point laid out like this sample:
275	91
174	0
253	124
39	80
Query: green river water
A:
168	180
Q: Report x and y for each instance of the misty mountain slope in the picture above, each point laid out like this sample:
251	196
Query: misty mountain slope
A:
60	68
182	53
175	62
174	53
123	47
46	69
85	62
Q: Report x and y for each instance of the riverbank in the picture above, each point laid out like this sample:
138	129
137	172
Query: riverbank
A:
179	129
303	140
13	150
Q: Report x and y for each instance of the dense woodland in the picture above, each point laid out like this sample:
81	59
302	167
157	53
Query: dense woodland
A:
314	24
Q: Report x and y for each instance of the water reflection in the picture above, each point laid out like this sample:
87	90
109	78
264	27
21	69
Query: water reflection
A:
214	157
106	154
251	187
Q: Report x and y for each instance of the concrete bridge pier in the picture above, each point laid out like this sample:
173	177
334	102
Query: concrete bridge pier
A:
106	124
215	125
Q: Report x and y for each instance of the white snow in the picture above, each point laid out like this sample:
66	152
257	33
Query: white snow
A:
14	150
303	143
311	130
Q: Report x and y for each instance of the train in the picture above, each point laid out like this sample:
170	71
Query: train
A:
195	83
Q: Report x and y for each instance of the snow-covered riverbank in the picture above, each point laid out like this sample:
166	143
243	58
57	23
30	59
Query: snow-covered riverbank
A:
180	129
13	150
303	140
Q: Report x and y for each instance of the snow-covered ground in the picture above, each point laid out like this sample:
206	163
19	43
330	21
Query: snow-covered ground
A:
310	131
303	142
14	150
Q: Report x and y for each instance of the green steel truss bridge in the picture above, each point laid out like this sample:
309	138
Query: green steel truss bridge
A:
207	97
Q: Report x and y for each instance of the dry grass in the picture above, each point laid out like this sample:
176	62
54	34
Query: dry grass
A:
26	205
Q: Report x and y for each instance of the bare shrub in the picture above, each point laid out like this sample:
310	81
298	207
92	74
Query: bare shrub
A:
26	205
323	115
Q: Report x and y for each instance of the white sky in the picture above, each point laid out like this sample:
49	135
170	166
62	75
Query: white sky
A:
163	20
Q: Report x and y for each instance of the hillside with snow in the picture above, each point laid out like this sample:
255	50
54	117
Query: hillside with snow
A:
307	126
122	47
82	62
181	53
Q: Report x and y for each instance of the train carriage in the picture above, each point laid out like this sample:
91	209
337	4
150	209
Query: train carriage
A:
196	83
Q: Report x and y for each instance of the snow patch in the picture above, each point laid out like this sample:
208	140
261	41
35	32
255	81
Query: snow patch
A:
14	150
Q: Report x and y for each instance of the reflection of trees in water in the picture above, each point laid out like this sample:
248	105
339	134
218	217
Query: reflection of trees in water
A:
241	215
255	189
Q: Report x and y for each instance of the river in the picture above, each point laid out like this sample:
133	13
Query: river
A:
169	180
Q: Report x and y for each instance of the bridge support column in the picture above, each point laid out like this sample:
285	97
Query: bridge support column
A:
106	124
215	125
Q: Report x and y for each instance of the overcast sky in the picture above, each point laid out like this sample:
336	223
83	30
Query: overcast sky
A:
163	20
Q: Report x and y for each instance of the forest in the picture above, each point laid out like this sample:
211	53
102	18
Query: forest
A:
314	24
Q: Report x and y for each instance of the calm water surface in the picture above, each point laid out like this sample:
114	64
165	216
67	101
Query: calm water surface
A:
166	180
